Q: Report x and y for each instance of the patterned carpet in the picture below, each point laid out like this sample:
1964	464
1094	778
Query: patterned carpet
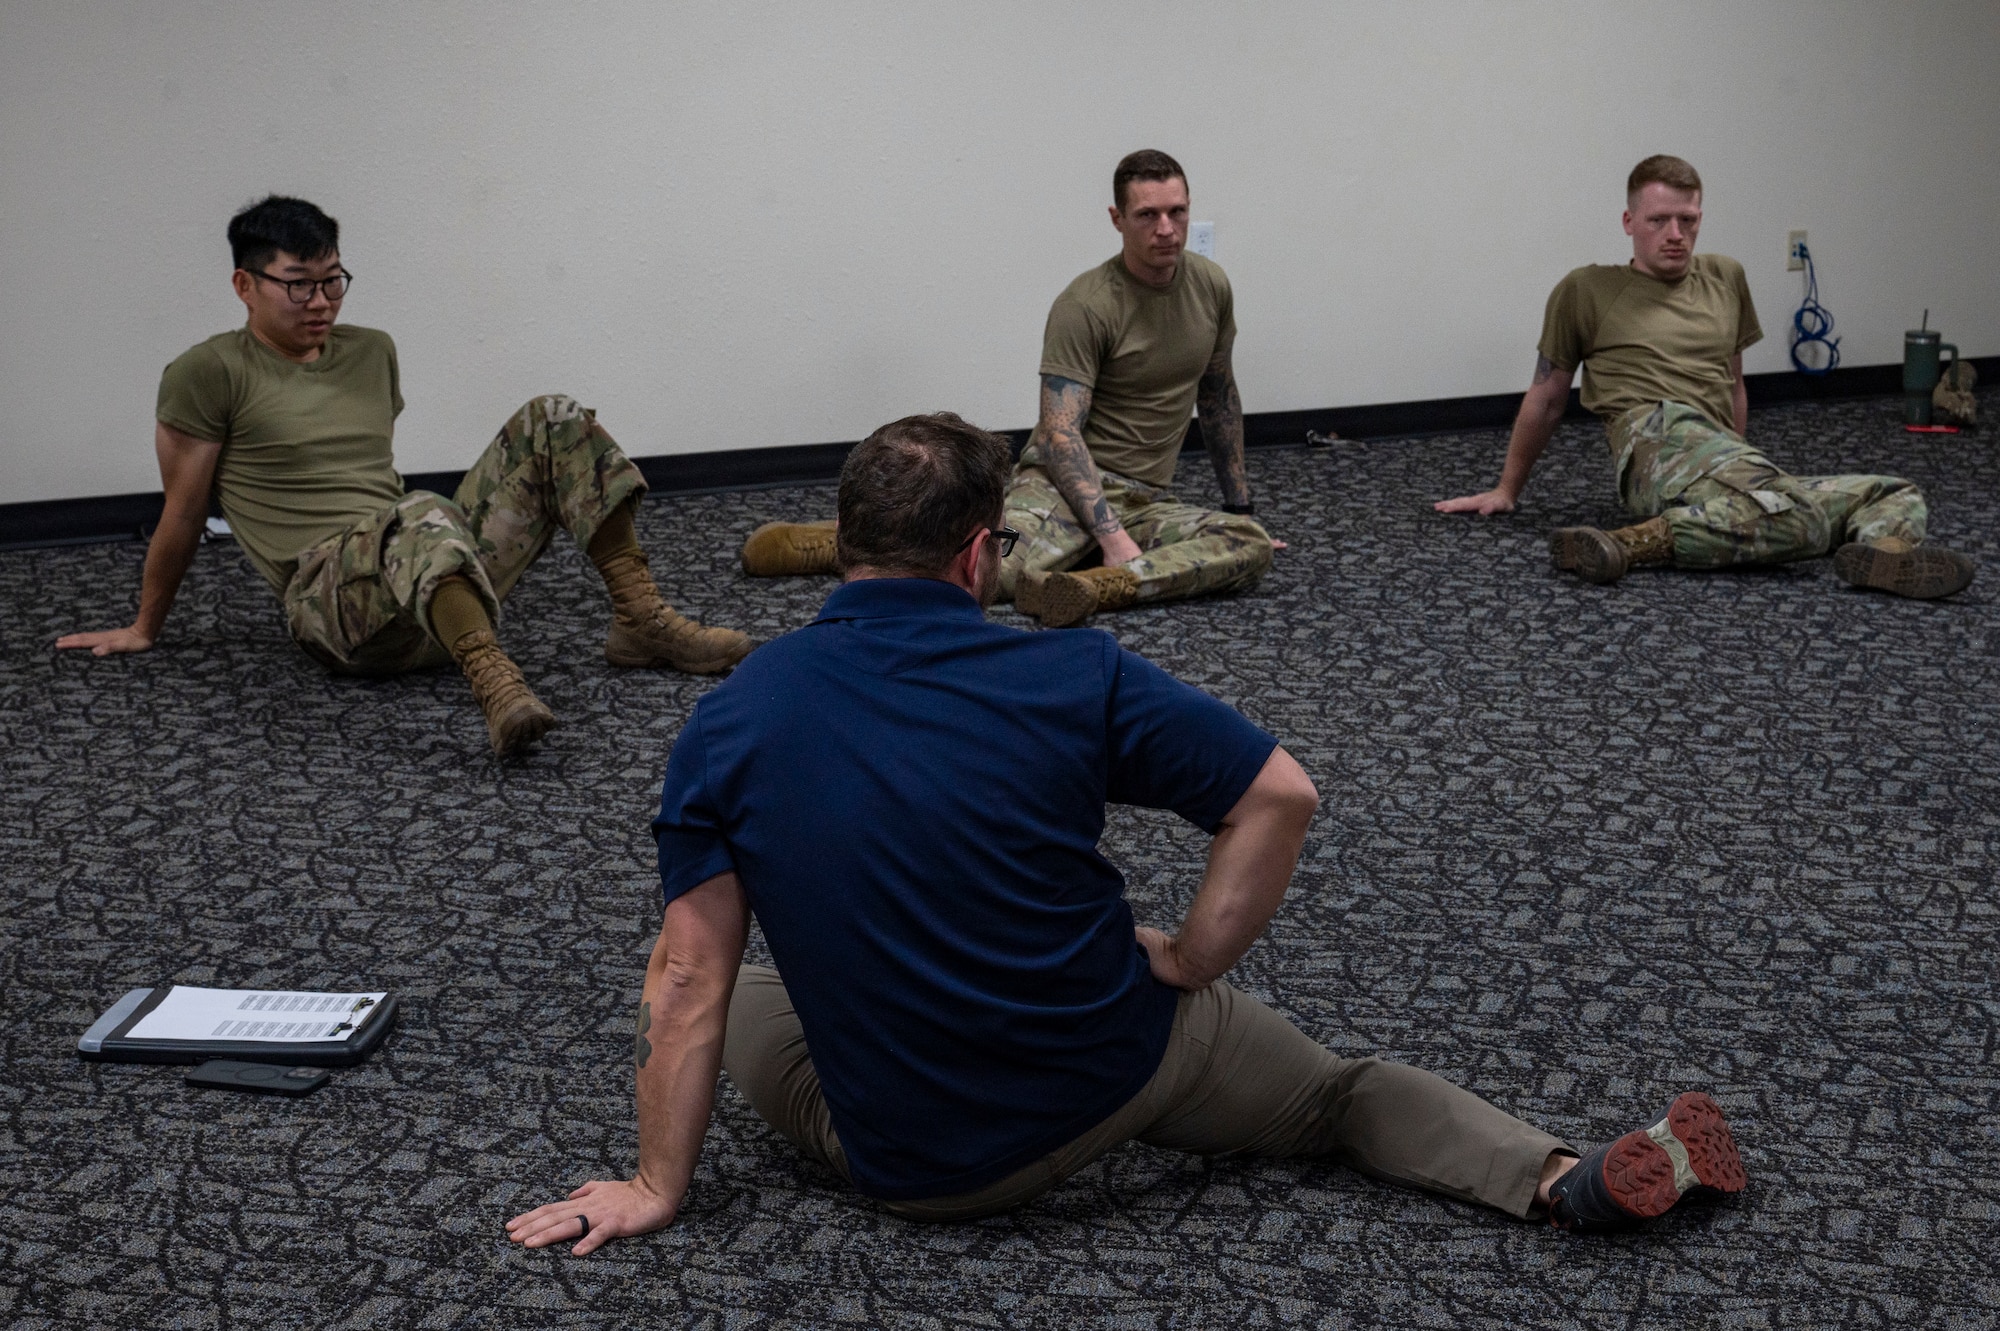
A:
1580	848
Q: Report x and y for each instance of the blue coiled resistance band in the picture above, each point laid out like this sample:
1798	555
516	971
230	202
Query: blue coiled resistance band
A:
1813	323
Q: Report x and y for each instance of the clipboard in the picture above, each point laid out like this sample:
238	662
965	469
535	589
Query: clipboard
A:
183	1024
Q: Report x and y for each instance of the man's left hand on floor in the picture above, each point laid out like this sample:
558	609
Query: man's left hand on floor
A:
611	1210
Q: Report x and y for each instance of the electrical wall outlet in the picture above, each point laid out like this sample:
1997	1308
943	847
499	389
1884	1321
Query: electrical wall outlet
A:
1201	238
1795	251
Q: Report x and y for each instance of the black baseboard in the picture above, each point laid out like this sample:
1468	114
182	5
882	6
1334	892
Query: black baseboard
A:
128	517
1495	411
78	521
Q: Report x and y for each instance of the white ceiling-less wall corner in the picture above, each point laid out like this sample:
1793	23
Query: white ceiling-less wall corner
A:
747	225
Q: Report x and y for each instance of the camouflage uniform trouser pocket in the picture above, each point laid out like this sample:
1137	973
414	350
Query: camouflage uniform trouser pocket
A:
358	603
1745	512
1186	551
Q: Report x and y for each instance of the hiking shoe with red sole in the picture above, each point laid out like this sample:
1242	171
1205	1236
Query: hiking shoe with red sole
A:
1645	1173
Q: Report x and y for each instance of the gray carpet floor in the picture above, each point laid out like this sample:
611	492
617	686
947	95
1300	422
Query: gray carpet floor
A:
1580	848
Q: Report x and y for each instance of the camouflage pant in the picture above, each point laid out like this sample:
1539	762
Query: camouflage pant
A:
1726	503
360	601
1187	551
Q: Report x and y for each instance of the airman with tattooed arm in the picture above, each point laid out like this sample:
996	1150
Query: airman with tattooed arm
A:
1660	342
1131	349
1065	407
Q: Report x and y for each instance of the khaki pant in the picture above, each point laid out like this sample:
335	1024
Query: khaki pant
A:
1237	1079
1187	551
1726	503
360	601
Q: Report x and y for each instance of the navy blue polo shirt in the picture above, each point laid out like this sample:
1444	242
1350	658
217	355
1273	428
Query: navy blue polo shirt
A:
912	797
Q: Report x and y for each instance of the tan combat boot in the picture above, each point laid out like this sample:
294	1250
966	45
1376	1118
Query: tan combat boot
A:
515	717
1952	402
646	631
1028	593
1071	598
783	549
1606	556
1891	564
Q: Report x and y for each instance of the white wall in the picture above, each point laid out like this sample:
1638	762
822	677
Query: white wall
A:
737	225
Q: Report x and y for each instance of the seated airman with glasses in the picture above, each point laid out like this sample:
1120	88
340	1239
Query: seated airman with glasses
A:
288	421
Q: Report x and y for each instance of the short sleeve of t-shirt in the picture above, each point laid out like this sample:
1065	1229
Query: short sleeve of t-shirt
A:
1565	335
1072	342
689	830
196	396
1225	318
1748	330
1171	746
395	382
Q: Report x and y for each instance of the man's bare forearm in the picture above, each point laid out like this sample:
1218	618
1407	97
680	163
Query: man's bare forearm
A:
683	1017
1221	410
1059	435
187	471
1250	864
168	558
1541	411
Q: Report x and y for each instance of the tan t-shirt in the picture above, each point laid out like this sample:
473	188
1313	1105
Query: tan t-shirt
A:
1141	351
305	448
1642	341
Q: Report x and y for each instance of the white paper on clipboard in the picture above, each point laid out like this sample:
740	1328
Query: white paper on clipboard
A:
271	1015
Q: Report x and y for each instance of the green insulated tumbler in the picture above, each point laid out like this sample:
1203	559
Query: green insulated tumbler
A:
1921	372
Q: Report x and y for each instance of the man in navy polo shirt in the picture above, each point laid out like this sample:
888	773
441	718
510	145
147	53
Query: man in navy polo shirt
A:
963	1012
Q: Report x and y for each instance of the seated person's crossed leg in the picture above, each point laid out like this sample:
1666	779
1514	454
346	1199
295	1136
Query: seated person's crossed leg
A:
909	798
1131	348
1710	500
420	583
1180	550
288	422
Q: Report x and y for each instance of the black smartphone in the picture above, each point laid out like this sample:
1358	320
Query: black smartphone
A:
226	1074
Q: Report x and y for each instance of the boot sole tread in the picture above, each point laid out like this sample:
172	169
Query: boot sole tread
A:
1066	601
1587	552
1922	574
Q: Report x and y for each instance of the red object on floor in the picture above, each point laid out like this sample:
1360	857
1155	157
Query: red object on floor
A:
1931	429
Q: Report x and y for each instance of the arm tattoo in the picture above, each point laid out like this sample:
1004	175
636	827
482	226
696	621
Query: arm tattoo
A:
1221	411
642	1048
1544	367
1065	407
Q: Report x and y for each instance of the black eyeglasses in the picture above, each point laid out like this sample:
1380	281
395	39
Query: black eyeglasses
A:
302	289
1005	536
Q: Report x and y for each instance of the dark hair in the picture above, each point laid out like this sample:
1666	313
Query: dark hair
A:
1664	170
1146	164
912	491
277	223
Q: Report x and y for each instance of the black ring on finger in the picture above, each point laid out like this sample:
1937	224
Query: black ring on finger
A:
586	1227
